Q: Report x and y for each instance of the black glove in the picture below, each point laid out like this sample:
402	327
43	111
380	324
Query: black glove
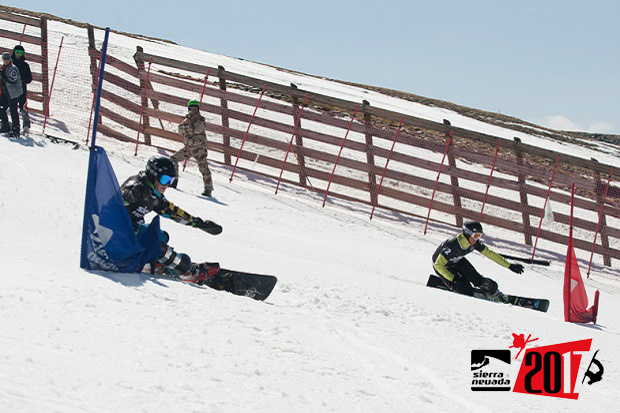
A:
207	226
518	268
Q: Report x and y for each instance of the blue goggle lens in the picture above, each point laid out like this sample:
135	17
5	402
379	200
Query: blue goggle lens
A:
166	179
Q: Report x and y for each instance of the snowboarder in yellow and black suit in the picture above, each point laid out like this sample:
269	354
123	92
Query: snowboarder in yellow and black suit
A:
456	271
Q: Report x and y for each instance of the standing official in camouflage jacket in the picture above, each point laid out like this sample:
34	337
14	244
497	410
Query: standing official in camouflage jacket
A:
192	129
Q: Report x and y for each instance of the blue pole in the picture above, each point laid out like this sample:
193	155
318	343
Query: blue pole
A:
92	161
104	52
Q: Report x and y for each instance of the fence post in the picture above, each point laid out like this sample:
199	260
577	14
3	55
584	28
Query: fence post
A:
225	124
146	121
453	179
527	229
387	162
297	119
144	102
94	69
601	197
44	66
298	137
370	153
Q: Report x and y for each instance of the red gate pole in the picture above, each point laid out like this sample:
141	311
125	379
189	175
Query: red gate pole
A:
21	39
290	143
430	207
339	153
49	96
204	85
146	82
374	205
600	217
486	193
542	215
246	133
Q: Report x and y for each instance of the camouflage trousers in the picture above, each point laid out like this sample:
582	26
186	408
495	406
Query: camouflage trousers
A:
197	149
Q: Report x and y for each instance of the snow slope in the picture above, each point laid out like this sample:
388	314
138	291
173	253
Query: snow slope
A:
350	326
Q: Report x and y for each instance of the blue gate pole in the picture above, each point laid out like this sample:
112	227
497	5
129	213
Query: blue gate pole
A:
90	179
104	52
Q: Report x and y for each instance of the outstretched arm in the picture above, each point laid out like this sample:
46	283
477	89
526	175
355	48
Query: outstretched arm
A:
179	215
175	213
487	252
495	257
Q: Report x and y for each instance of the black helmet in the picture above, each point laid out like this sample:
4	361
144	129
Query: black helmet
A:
472	227
159	165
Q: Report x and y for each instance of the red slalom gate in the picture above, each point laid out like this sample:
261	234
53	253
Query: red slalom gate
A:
204	86
542	215
49	96
486	193
290	144
245	136
146	82
339	153
600	218
430	207
374	205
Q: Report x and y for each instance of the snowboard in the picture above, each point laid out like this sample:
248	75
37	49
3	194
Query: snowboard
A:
537	304
256	286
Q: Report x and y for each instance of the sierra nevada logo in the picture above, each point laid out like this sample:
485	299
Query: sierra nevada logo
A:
490	370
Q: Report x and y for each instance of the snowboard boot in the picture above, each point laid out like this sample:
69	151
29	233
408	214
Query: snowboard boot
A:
201	274
207	192
489	287
491	290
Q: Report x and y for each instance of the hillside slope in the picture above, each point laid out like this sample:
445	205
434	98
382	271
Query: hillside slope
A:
350	327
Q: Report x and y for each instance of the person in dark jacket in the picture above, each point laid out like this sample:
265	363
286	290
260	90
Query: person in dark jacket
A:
143	193
456	271
11	91
19	60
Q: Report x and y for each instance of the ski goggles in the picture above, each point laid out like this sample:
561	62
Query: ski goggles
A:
19	53
476	235
166	179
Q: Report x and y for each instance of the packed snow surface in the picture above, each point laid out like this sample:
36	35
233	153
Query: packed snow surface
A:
350	326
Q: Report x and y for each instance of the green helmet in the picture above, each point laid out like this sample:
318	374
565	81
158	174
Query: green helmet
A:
193	103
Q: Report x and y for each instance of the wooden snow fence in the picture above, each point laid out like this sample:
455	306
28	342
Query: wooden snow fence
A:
319	133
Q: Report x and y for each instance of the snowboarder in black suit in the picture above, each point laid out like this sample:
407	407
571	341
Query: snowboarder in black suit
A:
143	193
457	273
